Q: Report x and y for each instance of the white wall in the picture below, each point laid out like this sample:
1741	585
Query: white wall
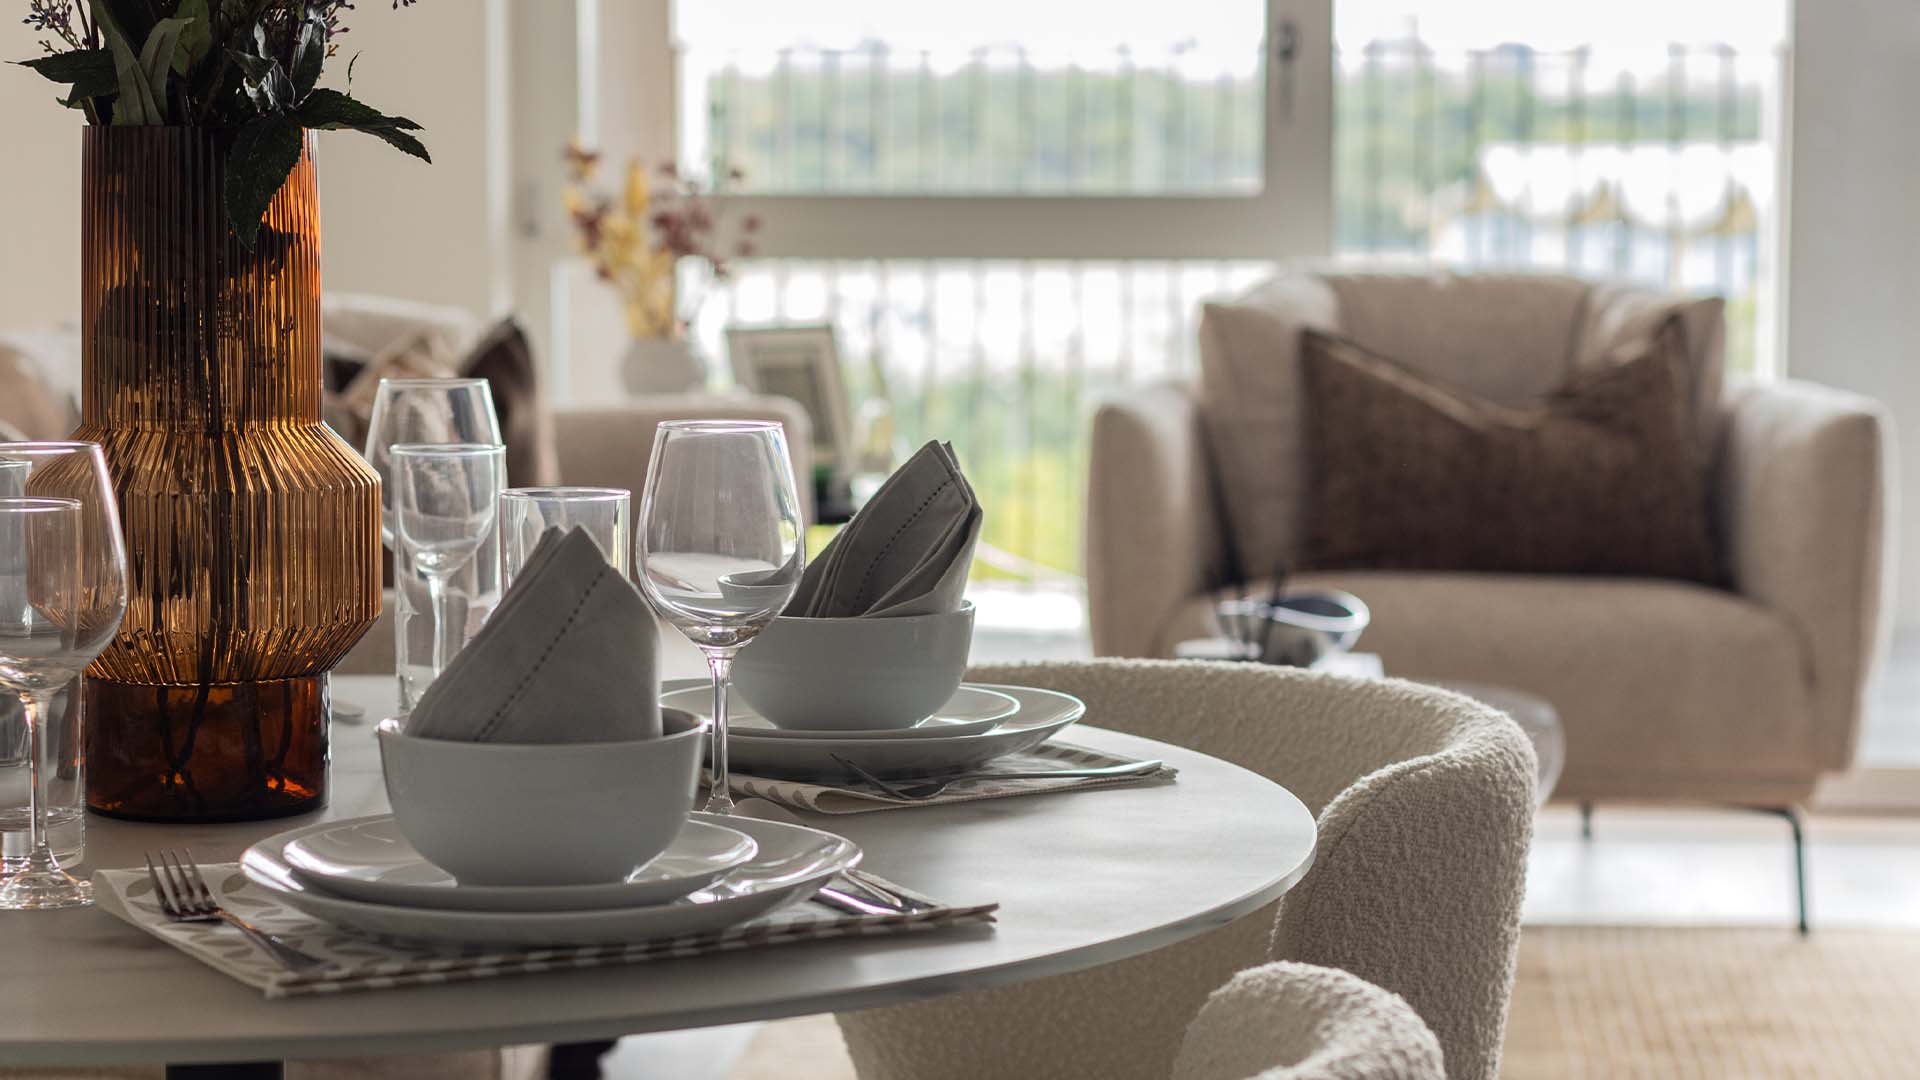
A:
39	192
390	223
1853	247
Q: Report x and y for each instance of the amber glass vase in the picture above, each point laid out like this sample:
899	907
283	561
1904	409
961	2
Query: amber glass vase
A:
253	532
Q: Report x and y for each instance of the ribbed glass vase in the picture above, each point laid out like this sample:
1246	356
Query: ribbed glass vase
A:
253	532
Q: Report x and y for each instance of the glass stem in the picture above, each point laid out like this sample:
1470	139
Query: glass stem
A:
442	615
720	796
33	709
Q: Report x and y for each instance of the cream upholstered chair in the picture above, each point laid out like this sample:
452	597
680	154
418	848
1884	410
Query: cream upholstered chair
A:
1668	690
609	446
1287	1021
1425	807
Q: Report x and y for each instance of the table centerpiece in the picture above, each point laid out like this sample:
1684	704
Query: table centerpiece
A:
253	532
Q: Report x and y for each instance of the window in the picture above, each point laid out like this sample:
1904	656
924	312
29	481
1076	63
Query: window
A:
1004	231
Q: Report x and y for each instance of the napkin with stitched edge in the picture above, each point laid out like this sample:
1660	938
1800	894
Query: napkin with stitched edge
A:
907	552
569	656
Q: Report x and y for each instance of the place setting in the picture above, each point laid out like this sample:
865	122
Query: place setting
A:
542	788
854	698
553	805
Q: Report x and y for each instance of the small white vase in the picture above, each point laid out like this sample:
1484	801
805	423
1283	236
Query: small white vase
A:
661	366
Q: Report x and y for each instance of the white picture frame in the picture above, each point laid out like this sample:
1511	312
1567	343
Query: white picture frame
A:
801	362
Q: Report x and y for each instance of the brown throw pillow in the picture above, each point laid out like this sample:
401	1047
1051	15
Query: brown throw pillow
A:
504	358
1604	477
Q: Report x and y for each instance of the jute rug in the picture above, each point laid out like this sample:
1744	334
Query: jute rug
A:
1593	1002
1606	1002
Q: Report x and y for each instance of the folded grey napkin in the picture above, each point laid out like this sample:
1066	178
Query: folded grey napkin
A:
907	552
569	656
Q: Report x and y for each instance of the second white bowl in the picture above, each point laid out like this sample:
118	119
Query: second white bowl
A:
855	674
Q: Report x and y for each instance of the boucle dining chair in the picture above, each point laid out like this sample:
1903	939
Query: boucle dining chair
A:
1288	1021
1424	801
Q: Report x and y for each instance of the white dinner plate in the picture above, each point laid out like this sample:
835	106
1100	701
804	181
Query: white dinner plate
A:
371	860
1042	713
970	711
792	863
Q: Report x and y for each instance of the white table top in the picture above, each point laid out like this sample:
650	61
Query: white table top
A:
1083	879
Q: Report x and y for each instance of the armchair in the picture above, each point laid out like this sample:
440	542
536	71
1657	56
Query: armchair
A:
1668	690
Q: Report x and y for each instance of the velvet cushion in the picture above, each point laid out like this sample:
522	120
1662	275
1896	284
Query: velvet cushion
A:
1602	477
504	358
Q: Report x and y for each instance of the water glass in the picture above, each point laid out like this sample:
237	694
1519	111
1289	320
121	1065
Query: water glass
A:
527	513
66	789
63	769
445	501
720	549
63	593
431	411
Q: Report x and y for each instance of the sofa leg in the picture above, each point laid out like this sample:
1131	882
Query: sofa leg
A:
1796	822
1586	820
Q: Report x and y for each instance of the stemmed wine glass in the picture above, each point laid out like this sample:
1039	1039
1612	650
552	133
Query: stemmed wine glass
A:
446	499
428	411
720	550
63	592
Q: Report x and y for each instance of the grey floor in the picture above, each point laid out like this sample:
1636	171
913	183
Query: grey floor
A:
1644	867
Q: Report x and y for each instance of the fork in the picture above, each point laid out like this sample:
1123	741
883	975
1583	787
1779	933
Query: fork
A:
184	897
929	789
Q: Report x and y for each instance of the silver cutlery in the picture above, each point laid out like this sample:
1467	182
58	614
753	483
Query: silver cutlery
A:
921	791
841	900
184	897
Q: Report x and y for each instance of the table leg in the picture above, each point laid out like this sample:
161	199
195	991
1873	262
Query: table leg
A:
238	1070
576	1061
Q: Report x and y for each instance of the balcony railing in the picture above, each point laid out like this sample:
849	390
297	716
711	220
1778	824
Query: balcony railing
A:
1657	166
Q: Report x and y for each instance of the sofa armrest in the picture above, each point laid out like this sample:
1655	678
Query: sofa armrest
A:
1153	528
610	446
1802	499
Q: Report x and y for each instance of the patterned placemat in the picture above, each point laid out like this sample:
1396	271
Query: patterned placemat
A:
361	962
856	798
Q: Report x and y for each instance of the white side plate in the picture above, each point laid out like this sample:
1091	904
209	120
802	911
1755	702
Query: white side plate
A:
970	711
792	863
1042	714
371	860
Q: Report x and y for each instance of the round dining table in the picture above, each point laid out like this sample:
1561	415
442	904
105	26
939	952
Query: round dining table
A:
1082	879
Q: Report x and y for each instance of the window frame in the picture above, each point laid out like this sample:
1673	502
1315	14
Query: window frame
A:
1291	214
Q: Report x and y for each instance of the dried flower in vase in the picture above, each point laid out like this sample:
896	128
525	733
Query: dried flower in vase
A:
637	236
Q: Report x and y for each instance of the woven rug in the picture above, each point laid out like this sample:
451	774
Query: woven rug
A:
1594	1002
1660	1002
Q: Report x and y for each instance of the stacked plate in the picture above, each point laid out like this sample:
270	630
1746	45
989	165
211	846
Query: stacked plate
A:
979	722
362	874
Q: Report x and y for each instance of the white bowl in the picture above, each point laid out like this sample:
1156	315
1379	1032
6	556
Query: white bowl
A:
543	814
855	674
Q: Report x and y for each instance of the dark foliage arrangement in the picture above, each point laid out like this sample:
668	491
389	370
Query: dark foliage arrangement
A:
248	68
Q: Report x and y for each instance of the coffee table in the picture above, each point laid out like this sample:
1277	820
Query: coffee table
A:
1080	879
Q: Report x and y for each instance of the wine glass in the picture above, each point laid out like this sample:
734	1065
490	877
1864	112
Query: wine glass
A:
527	513
63	592
720	547
430	411
445	499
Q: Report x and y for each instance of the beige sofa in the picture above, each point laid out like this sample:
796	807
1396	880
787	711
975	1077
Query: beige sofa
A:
1668	690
